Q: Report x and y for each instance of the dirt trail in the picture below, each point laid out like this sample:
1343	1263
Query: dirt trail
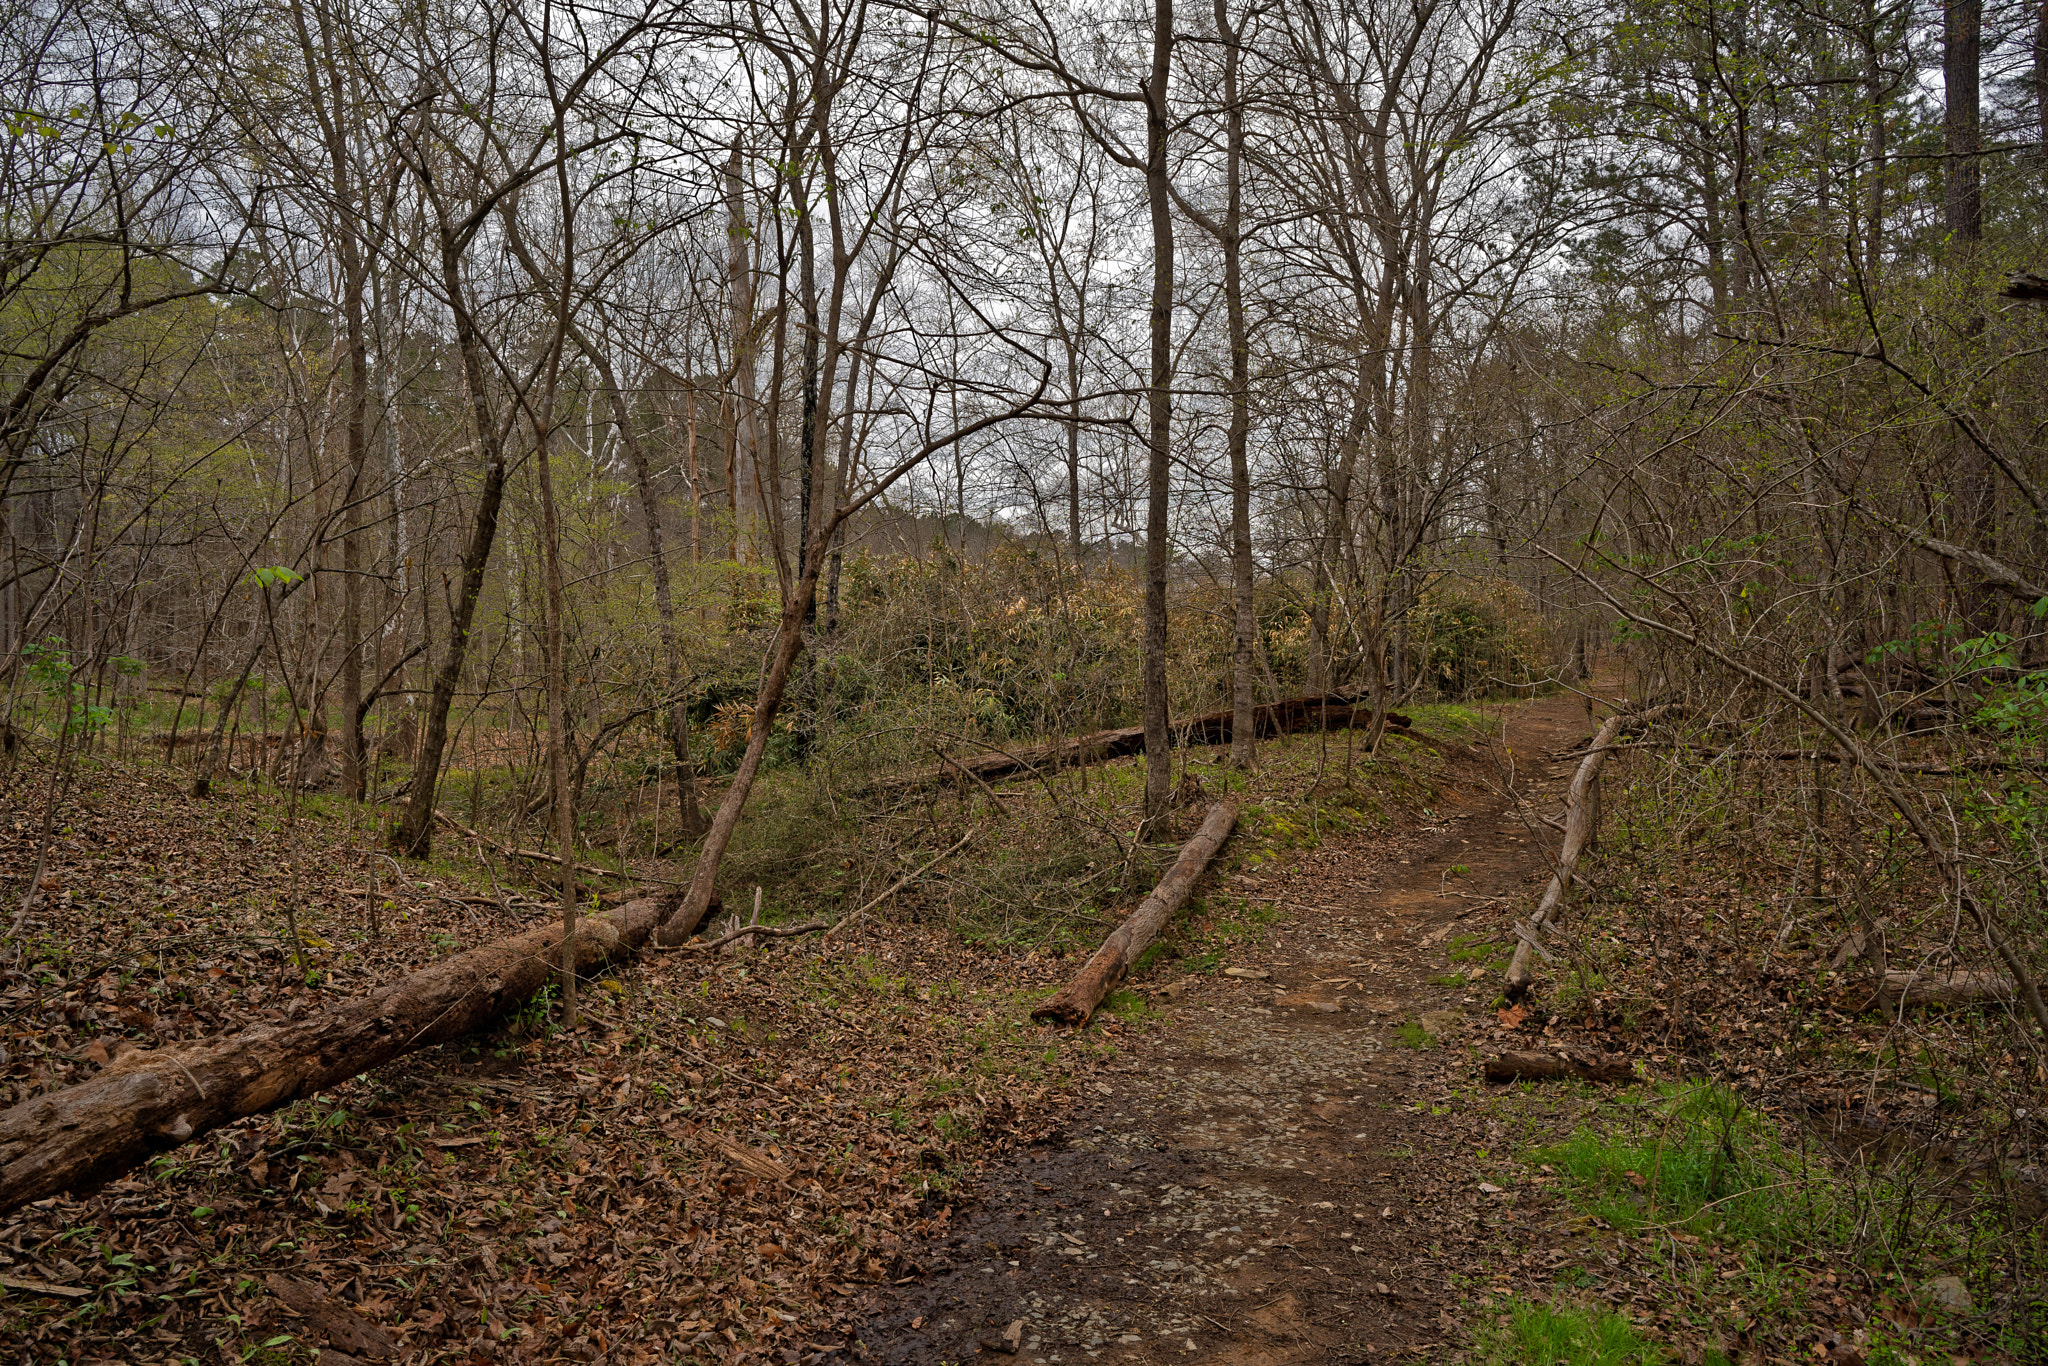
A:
1272	1176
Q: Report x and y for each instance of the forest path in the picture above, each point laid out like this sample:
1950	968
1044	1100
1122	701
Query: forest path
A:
1276	1173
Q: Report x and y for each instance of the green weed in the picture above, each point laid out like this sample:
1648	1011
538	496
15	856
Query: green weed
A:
1409	1034
1702	1162
1536	1334
1478	948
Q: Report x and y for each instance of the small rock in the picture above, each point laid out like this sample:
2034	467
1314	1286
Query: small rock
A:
1949	1292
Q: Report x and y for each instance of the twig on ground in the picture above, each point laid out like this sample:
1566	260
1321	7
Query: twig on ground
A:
772	931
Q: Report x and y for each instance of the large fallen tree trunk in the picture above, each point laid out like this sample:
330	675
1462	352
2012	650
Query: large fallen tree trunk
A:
1077	1001
1331	711
1581	811
150	1101
1904	990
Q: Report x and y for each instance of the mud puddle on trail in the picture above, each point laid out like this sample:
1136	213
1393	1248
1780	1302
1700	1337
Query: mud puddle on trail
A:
1273	1174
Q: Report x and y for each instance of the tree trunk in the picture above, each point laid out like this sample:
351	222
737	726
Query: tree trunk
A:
2041	81
744	478
1894	991
1330	712
152	1101
564	803
1159	423
344	225
1962	32
789	643
1243	750
1100	974
413	833
209	761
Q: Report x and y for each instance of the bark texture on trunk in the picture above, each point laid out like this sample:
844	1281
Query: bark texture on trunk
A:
1100	974
151	1101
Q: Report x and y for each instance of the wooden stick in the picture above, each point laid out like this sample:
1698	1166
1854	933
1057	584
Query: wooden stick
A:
772	931
1078	999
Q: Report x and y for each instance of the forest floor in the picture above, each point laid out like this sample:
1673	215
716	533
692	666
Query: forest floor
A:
1275	1147
1300	1161
1298	1164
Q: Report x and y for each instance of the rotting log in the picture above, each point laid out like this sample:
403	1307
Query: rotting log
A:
1107	966
150	1101
1559	1067
1904	990
1580	814
1331	711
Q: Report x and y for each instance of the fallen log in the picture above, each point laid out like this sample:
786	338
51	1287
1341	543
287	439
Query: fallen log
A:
1107	966
1609	1068
1903	990
149	1101
1581	814
1578	828
1331	711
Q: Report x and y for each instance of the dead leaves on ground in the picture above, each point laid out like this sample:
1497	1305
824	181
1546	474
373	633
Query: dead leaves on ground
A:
715	1169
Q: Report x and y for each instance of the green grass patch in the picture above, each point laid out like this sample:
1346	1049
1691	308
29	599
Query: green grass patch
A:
1478	948
1530	1333
1700	1161
1409	1034
1447	720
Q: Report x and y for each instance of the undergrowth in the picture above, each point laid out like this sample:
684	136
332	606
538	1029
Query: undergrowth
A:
1532	1333
1753	1234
